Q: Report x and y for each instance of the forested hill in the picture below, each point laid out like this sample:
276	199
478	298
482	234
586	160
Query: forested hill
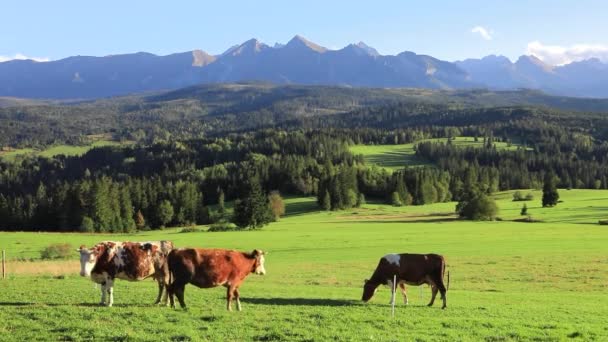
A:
199	145
213	110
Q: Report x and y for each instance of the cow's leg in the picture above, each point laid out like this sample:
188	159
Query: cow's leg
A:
237	296
161	286
442	290
110	290
103	293
229	296
179	292
165	297
434	289
404	292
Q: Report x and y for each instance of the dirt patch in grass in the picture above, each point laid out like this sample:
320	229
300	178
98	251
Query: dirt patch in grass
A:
55	268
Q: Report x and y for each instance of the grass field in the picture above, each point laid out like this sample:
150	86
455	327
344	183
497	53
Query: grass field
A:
509	281
393	157
52	151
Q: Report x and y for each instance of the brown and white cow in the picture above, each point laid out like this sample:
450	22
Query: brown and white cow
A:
131	261
208	268
410	269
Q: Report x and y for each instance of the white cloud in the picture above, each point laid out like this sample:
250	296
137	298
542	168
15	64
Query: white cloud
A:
483	32
23	57
560	55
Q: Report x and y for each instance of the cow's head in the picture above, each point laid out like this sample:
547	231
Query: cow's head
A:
369	289
88	258
258	267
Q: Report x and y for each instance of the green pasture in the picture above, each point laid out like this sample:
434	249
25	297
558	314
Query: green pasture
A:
68	150
393	157
509	281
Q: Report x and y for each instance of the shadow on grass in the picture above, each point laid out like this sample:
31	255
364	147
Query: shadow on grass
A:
300	208
429	220
16	303
91	305
300	301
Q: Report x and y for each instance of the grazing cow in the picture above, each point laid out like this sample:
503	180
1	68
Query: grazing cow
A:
208	268
410	269
131	261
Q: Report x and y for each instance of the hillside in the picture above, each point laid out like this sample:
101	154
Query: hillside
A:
217	109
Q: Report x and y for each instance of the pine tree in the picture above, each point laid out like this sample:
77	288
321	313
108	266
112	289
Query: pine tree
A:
253	210
524	210
550	194
164	213
326	204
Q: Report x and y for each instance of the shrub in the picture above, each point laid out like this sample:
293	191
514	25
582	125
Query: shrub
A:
222	227
276	205
87	225
518	196
190	230
603	222
477	206
360	200
57	251
524	210
396	200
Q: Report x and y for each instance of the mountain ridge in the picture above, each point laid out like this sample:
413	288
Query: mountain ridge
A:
299	61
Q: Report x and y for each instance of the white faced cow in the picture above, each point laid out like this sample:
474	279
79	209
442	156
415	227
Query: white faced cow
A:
410	269
131	261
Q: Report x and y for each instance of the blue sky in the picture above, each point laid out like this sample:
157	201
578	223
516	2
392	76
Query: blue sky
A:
557	30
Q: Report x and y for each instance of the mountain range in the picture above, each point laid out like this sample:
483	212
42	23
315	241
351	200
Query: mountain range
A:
298	62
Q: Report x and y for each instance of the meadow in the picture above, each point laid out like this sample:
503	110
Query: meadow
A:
393	157
508	280
67	150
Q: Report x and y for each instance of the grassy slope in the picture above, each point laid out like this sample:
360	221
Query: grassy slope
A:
67	150
393	157
509	281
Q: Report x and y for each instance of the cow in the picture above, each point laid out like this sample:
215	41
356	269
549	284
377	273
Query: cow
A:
207	268
410	269
131	261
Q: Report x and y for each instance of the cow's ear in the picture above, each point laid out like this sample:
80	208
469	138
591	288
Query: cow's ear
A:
257	252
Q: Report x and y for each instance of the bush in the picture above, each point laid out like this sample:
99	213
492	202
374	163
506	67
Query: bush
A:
190	230
518	196
477	206
360	200
396	200
57	251
87	225
603	222
277	206
222	227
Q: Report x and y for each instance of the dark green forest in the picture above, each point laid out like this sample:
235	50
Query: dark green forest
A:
198	144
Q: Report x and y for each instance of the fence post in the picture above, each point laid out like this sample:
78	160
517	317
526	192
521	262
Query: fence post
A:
394	294
3	265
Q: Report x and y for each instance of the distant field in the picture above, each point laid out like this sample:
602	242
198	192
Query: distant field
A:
509	281
67	150
394	157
